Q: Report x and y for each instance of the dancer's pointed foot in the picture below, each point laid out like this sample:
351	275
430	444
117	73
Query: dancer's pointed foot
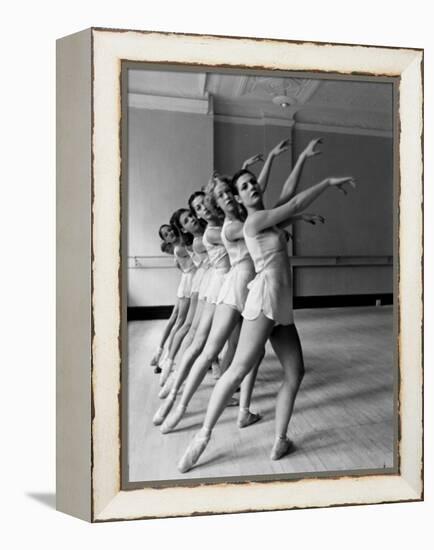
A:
193	452
247	418
156	357
165	390
164	409
157	370
282	446
173	419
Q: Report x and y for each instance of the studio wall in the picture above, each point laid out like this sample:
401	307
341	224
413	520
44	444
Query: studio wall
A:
359	225
173	154
170	155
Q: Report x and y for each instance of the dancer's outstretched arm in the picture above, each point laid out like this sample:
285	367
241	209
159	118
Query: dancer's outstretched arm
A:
282	215
290	185
234	231
266	169
252	160
304	217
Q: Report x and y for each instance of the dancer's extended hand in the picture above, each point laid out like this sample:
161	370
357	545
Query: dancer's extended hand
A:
340	183
280	148
310	150
313	218
253	160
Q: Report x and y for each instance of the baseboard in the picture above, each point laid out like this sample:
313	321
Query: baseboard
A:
146	313
342	300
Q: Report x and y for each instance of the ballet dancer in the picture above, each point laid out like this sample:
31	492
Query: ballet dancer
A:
268	310
167	248
219	261
199	254
230	304
188	326
170	234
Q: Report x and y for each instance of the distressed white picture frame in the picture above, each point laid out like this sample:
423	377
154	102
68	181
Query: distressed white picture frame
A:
90	311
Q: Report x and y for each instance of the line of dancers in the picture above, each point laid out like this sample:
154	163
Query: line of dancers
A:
234	295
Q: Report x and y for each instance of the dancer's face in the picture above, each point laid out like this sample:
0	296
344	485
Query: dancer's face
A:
225	198
168	234
189	222
249	190
202	211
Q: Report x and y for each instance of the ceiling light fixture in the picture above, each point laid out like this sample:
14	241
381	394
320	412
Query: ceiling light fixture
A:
283	100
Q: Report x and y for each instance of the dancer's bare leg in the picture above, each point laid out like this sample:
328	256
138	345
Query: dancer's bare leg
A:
186	342
183	305
245	416
177	340
167	330
232	340
195	323
253	337
187	361
286	344
224	322
186	327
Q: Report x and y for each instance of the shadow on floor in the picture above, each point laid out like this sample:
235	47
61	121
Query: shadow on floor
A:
47	499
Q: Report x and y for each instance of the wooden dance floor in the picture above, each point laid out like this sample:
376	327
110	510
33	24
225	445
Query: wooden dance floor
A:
343	417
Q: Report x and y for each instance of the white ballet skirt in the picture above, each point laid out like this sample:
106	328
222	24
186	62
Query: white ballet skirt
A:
188	269
199	255
270	292
234	289
204	283
219	262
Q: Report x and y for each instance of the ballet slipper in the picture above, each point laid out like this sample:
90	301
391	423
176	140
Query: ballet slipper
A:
164	409
282	446
247	418
173	419
156	357
193	452
157	370
165	390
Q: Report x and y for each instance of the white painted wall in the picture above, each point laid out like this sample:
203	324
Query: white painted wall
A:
170	155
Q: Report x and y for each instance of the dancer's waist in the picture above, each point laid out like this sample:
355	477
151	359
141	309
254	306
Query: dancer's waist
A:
275	269
243	264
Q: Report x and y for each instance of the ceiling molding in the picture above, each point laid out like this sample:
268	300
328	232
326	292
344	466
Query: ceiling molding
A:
352	130
165	103
275	121
308	90
255	121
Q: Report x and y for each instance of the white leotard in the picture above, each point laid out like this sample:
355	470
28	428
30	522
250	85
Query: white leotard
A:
201	259
187	267
270	292
234	289
219	261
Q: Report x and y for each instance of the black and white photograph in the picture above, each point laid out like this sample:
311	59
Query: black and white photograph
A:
259	250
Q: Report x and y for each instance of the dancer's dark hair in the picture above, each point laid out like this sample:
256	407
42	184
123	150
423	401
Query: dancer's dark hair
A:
160	230
167	248
192	197
236	176
187	238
